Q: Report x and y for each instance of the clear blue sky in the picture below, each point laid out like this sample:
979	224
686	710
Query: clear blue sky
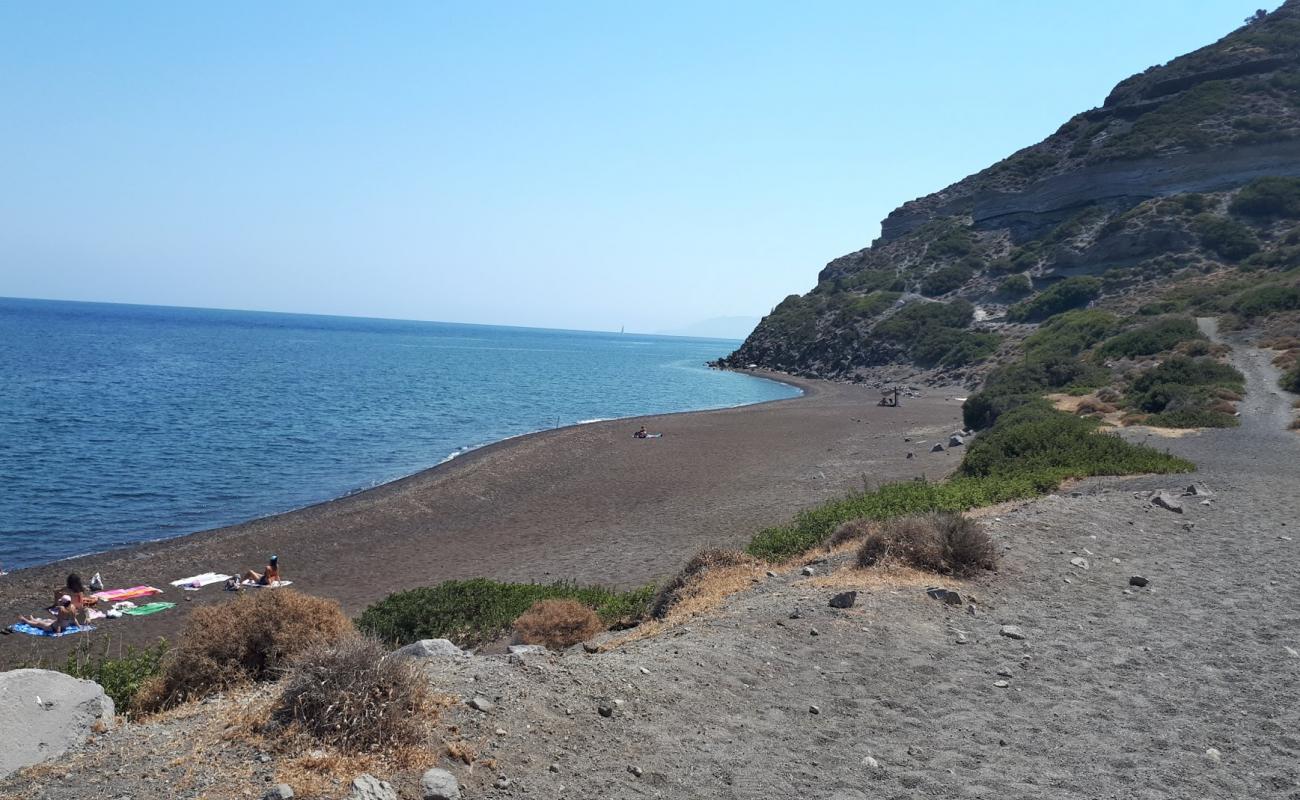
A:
579	165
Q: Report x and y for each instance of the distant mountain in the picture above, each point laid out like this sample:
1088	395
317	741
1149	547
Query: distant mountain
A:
1186	171
716	328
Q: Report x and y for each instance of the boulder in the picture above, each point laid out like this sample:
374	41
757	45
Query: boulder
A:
479	703
1138	580
844	600
44	713
1196	490
945	595
1080	562
1012	632
431	648
368	787
938	448
519	653
439	784
956	441
280	791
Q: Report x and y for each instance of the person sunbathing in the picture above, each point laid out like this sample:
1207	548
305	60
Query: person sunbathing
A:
268	578
642	434
82	601
65	616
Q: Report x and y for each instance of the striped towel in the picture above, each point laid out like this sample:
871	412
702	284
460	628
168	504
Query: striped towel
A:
127	594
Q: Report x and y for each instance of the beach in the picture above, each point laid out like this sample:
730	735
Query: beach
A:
587	503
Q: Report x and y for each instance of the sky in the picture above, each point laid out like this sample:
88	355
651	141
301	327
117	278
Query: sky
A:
568	165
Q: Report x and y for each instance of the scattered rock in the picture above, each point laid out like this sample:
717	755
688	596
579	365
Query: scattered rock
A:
591	647
1197	490
520	652
1138	580
43	713
945	595
960	637
1167	501
605	710
1213	755
502	783
1000	684
368	787
554	768
956	441
1005	672
280	791
635	770
264	759
844	600
1012	632
870	763
807	571
910	454
431	648
1291	651
501	732
938	448
814	710
795	614
481	704
1080	562
439	784
814	632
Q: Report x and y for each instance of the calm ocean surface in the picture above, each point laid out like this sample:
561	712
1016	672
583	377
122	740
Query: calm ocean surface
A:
121	424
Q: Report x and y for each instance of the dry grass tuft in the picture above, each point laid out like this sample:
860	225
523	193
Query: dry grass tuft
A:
251	639
855	530
945	543
686	581
462	751
1224	393
348	695
557	624
1090	405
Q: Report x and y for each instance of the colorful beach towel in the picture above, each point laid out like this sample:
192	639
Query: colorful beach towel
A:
196	582
147	609
32	630
256	585
127	594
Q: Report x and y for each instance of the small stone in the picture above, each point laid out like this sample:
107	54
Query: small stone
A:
910	454
945	595
1000	684
814	710
938	448
1005	672
870	763
635	770
771	574
1138	581
264	759
605	710
590	647
1080	562
960	637
645	671
1197	490
1213	755
1205	502
813	632
972	610
368	787
500	731
554	768
280	791
956	441
1167	501
1012	632
481	704
1291	651
844	600
795	614
807	571
502	783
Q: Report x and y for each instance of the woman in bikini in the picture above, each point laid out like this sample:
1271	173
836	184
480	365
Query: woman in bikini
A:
268	578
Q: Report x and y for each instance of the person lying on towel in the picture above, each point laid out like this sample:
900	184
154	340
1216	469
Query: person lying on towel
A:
65	616
82	600
268	578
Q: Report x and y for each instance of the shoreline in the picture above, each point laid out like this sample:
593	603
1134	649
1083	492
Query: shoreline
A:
585	502
802	385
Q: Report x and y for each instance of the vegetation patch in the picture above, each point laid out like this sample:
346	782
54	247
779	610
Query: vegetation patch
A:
946	543
476	611
1225	237
557	624
1069	293
1150	338
1272	197
121	675
702	563
1069	334
945	280
1016	285
1263	300
1183	392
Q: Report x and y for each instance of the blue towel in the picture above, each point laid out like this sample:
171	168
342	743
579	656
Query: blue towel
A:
32	630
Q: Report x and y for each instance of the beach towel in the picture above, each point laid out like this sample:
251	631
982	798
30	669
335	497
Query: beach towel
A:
32	630
196	582
127	594
148	608
256	585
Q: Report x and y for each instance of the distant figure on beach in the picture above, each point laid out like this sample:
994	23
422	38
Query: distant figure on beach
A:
267	578
65	616
76	591
889	402
641	433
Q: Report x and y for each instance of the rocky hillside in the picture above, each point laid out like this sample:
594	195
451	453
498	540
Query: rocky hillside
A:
1187	171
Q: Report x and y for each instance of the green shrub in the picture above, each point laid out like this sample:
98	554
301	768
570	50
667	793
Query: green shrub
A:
1014	385
1226	237
1269	197
476	611
945	280
951	347
1191	372
915	318
1291	380
122	675
1052	446
1180	393
1016	285
1193	418
1070	333
1264	300
1069	293
1153	337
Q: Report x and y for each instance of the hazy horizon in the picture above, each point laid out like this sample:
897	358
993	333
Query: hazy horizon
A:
574	166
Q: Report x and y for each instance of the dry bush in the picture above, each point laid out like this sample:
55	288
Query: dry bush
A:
557	624
1224	393
1281	343
1090	406
348	695
705	561
1295	424
855	530
1223	407
1109	394
942	542
250	639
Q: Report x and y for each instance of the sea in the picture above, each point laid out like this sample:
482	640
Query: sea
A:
124	423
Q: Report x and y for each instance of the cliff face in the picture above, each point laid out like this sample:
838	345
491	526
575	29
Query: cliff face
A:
1086	201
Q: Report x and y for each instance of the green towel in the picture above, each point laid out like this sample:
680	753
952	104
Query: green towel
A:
148	608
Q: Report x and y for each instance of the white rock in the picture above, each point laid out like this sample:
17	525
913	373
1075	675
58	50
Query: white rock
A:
439	784
368	787
431	648
32	730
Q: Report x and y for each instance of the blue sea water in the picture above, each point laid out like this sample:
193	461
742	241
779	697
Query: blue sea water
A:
121	424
